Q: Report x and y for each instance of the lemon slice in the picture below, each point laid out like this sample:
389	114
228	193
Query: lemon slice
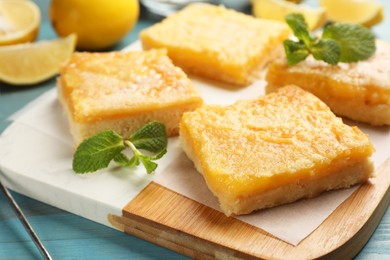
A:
19	21
363	12
31	63
278	9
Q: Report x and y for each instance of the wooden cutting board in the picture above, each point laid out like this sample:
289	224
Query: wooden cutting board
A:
168	219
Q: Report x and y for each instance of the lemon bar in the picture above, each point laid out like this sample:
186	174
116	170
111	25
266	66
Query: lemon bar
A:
218	43
273	150
359	91
123	91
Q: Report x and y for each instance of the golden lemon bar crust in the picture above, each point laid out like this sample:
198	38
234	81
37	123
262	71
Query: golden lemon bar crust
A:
273	150
359	91
122	91
218	43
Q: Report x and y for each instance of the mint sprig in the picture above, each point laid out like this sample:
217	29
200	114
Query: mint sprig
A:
339	42
98	151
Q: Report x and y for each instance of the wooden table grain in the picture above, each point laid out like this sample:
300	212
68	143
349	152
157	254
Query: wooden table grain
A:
68	236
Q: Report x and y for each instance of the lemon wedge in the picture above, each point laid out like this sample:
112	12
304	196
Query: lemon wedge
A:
31	63
363	12
19	21
278	9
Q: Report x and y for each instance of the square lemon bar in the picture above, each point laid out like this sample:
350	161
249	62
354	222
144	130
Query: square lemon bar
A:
273	150
359	91
218	43
123	91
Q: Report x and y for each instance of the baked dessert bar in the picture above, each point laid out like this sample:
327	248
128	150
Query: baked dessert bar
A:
218	43
123	91
273	150
359	91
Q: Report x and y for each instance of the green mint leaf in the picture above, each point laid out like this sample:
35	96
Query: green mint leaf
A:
159	155
356	42
124	161
97	151
327	50
299	27
148	164
121	159
151	137
295	52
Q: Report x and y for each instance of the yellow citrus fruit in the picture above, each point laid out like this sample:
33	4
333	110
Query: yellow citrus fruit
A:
278	9
363	12
31	63
98	24
19	21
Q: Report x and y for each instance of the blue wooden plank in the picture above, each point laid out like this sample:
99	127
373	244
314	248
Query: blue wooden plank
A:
117	247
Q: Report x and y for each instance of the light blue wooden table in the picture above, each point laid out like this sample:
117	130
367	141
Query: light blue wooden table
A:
68	236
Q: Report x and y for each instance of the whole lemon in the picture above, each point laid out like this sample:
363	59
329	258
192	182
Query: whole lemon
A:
98	24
